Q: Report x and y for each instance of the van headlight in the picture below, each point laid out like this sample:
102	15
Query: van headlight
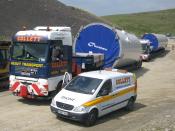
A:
80	109
53	103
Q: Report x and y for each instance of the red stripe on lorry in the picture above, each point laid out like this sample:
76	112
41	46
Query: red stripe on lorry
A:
35	87
23	91
14	86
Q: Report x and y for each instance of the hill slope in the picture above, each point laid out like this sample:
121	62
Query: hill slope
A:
157	22
30	13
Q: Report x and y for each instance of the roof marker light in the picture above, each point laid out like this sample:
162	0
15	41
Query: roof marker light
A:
24	27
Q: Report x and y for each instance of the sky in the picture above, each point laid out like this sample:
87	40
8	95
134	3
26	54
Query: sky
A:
109	7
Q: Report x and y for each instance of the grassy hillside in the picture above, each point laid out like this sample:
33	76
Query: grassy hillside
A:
157	22
30	13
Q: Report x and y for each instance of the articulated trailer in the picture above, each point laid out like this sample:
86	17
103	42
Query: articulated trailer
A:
4	64
40	58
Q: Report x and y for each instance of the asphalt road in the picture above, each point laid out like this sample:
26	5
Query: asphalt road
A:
154	108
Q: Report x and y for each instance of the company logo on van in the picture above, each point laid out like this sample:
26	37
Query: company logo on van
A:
92	44
67	98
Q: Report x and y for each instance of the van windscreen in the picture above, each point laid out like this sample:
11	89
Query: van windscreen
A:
82	84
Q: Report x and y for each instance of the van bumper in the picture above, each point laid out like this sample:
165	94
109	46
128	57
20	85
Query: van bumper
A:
71	116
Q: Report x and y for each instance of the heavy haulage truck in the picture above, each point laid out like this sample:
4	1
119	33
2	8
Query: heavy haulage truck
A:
4	64
40	57
151	44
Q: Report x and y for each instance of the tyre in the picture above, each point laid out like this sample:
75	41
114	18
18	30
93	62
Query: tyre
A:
91	118
130	105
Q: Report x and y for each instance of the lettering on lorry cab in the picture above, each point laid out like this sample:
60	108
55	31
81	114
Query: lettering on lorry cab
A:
28	38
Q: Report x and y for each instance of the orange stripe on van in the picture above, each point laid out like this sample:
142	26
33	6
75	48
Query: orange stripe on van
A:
106	98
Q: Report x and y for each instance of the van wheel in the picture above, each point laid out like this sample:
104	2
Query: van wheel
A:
91	118
130	105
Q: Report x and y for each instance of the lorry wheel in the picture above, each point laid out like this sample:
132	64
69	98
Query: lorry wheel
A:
91	118
130	105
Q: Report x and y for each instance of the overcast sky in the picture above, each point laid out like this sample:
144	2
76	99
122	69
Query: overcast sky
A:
108	7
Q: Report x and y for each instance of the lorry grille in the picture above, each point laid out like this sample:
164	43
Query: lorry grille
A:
64	106
26	83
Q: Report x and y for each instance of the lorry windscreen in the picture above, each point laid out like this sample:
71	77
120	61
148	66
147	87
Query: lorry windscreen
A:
145	48
34	52
85	85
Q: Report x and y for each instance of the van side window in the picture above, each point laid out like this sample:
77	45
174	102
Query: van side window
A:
107	87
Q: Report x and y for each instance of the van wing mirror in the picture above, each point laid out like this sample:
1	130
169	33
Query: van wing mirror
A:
66	79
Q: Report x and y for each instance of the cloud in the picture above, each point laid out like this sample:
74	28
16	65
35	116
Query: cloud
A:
107	7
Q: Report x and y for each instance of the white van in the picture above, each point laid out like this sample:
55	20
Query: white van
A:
93	94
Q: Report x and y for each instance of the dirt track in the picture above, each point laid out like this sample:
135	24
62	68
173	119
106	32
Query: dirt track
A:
154	110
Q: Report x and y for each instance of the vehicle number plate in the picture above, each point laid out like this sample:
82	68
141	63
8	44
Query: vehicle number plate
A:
62	112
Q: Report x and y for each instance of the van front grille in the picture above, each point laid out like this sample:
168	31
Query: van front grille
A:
64	106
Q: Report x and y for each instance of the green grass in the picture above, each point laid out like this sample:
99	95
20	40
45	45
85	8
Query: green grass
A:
152	22
3	38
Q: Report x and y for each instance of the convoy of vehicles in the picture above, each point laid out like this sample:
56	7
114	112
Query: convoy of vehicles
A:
40	57
151	44
4	64
44	60
93	94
